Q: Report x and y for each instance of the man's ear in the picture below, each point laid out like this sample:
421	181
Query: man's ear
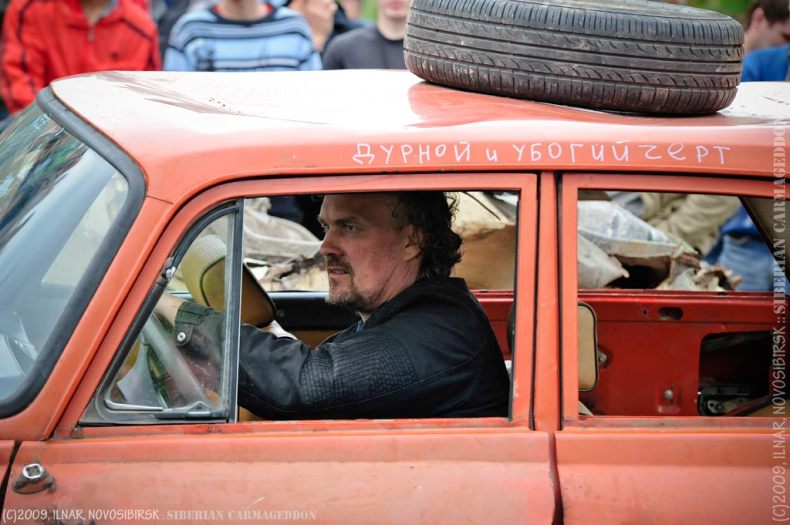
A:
758	16
413	241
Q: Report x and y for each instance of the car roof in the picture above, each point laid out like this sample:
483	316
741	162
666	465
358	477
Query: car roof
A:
188	131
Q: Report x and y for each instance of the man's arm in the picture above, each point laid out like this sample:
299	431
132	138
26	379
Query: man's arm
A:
175	60
333	54
698	218
281	378
167	308
24	57
176	57
311	63
371	372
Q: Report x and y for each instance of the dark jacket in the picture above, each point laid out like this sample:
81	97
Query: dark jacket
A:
428	352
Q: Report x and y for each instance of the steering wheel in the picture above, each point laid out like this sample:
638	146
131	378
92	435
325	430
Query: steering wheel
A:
16	351
203	272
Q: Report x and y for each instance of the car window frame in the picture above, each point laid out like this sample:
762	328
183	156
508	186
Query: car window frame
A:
652	182
98	412
21	398
523	182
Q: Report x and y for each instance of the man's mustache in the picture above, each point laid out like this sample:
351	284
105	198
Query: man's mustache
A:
336	263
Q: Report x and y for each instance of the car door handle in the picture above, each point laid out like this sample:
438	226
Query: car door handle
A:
33	479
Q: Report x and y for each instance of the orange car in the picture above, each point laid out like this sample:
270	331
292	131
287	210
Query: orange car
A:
111	180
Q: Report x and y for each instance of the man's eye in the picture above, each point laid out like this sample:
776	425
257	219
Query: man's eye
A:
349	228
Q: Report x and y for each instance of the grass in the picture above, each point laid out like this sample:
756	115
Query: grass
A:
734	8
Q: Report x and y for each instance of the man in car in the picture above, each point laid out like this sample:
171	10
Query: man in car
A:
423	348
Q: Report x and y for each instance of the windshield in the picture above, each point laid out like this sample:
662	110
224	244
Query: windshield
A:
58	201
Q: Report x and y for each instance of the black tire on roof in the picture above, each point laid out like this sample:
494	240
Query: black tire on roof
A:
626	55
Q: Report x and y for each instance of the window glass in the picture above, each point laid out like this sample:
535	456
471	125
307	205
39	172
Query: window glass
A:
665	275
58	201
173	370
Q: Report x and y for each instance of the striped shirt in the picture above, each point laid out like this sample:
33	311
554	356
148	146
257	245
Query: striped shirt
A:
205	41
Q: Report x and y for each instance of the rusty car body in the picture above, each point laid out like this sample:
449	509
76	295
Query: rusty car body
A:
179	147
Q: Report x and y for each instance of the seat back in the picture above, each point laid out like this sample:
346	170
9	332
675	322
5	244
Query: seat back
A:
588	347
588	344
203	270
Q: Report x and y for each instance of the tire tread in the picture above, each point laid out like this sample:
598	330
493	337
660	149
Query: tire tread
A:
670	63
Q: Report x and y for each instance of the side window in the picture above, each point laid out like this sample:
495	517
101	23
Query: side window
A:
282	237
282	249
439	348
169	370
681	287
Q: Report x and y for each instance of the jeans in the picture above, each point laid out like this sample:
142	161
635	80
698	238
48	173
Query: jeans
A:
749	258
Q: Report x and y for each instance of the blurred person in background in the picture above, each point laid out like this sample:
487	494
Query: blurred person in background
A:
716	225
241	35
43	41
244	35
327	20
3	109
769	61
320	14
739	245
175	9
766	24
767	65
378	47
352	8
694	219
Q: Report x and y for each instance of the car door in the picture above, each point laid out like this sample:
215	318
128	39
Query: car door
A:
65	210
681	371
189	458
6	453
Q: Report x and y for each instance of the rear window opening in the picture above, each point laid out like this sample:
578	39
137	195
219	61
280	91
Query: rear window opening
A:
682	286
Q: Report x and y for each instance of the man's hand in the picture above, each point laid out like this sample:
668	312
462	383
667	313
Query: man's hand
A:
276	330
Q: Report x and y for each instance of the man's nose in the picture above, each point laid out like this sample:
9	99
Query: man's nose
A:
328	246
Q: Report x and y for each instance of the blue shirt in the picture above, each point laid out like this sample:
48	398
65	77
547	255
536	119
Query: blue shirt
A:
766	65
205	41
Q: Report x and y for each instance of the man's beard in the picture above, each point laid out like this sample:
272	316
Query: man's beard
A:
351	298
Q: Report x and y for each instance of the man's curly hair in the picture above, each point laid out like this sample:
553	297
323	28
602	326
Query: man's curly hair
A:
432	213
